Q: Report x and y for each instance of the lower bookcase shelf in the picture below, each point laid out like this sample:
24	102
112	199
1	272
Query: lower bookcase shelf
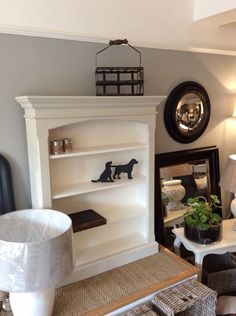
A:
108	255
109	248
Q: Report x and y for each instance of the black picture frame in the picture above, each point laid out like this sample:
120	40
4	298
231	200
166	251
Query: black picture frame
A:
187	112
7	200
210	153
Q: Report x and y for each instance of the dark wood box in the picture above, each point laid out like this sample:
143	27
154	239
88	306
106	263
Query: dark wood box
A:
86	219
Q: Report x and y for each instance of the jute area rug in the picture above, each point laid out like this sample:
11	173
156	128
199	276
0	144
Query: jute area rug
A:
86	295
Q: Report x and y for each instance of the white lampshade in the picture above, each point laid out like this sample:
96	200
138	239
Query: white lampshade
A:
35	250
228	180
228	177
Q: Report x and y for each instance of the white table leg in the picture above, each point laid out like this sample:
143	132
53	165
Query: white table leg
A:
198	263
198	257
177	244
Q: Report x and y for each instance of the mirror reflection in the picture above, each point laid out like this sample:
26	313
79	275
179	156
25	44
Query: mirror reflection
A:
178	183
189	113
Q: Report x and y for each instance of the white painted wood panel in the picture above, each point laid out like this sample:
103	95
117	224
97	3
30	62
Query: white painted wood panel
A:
102	129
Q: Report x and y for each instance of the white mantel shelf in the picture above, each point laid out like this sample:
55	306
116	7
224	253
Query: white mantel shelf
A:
102	129
68	106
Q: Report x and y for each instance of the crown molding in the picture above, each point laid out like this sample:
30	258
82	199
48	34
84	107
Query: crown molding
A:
36	32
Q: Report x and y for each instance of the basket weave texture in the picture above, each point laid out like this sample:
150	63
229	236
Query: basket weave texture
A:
190	298
219	273
142	310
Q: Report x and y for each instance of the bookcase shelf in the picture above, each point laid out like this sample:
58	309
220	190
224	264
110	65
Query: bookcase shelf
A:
86	187
108	248
100	150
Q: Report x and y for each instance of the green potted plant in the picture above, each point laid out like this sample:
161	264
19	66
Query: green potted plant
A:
165	200
201	224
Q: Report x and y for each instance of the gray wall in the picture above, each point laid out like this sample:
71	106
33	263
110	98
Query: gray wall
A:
40	66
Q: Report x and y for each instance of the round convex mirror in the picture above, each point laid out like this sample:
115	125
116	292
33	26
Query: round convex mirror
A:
187	112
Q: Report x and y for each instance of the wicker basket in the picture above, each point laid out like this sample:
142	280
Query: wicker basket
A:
219	273
190	298
142	310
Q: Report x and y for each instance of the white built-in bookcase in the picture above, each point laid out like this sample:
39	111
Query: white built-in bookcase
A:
102	129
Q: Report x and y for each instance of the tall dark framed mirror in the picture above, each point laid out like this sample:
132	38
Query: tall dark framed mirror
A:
196	171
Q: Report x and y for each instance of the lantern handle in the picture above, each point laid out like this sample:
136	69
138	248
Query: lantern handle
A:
120	42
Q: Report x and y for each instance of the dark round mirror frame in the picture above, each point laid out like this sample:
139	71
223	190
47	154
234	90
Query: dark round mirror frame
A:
171	107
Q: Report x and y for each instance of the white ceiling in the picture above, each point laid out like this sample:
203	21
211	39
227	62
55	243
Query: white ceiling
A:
215	12
191	25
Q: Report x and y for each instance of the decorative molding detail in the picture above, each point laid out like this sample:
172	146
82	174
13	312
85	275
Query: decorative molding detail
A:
94	39
87	106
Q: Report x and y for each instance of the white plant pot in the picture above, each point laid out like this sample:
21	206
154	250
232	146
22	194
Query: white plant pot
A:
39	303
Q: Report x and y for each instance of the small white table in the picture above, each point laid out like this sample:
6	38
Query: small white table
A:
227	243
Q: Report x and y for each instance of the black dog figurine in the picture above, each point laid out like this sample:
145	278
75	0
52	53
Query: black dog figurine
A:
106	174
125	169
